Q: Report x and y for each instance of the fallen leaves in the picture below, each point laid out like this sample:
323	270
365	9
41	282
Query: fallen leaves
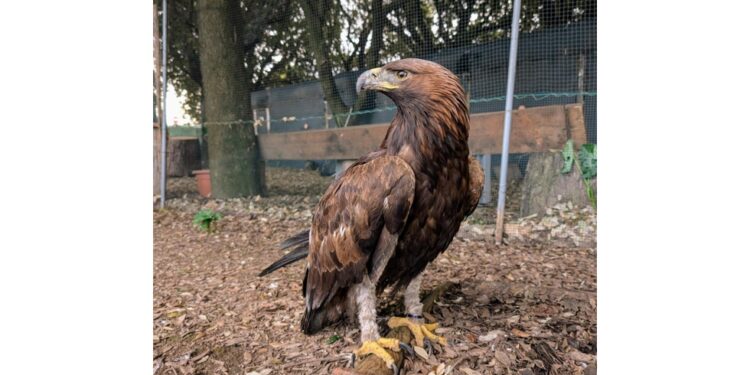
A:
518	333
213	315
421	353
491	335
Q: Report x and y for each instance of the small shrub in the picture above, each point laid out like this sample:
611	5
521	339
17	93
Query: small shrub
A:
585	160
206	220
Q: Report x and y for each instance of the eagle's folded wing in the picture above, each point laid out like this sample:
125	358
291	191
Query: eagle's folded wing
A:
476	185
371	199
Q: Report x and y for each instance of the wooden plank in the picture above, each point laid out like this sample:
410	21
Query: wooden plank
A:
323	144
575	124
535	129
182	138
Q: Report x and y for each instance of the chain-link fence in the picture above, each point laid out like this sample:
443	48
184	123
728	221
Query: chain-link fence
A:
293	64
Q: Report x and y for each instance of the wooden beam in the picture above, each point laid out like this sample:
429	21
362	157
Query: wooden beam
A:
535	129
335	143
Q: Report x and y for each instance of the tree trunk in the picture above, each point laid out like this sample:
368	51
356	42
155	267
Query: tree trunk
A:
235	157
183	157
316	18
366	100
315	11
203	138
544	184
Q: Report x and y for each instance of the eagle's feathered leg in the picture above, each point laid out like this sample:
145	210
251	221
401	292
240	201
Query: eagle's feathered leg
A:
411	297
372	343
415	321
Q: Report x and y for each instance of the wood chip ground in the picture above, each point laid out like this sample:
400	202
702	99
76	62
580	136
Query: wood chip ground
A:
528	307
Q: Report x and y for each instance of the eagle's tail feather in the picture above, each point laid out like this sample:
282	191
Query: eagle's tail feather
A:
300	238
300	242
316	319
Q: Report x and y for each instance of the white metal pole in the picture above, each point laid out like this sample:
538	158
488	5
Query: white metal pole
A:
255	121
268	120
163	187
506	127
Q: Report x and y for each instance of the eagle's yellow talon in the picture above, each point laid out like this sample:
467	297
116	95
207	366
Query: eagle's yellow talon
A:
392	344
428	333
376	348
420	331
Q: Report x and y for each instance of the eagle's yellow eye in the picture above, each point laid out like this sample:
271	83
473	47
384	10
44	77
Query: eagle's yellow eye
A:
401	74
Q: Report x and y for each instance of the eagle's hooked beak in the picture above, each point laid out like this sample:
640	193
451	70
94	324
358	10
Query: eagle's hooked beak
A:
376	79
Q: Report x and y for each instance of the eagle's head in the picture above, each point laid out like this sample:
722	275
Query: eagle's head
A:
431	104
413	82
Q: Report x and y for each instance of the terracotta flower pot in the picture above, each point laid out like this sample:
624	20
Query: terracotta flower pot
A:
203	178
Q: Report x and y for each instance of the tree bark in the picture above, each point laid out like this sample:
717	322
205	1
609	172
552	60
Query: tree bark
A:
203	138
544	183
235	158
183	157
315	20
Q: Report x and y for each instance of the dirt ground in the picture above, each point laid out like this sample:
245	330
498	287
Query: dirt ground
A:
528	307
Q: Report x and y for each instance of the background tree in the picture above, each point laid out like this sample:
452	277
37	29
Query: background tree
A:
235	157
291	41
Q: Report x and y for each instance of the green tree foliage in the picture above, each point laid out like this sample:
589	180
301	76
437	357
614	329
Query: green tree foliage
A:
290	41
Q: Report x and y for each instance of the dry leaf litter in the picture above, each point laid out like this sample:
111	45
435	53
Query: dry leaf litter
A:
525	308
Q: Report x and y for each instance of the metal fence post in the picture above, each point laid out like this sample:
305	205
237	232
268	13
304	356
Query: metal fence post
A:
506	128
268	119
255	121
163	182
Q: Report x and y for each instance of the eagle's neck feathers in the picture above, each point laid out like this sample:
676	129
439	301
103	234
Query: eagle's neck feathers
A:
427	132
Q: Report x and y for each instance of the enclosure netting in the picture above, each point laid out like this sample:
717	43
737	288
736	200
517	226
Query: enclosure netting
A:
301	58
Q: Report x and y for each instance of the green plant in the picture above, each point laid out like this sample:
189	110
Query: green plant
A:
585	160
206	220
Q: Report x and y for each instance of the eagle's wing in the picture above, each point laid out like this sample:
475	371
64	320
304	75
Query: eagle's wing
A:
370	200
476	185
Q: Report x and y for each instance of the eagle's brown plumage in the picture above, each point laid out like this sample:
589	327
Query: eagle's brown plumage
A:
398	207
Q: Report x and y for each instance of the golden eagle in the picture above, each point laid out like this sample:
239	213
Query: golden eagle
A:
393	211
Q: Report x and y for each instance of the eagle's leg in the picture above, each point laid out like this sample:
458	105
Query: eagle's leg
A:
414	320
372	343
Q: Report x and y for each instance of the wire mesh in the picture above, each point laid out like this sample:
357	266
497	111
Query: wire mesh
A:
300	59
